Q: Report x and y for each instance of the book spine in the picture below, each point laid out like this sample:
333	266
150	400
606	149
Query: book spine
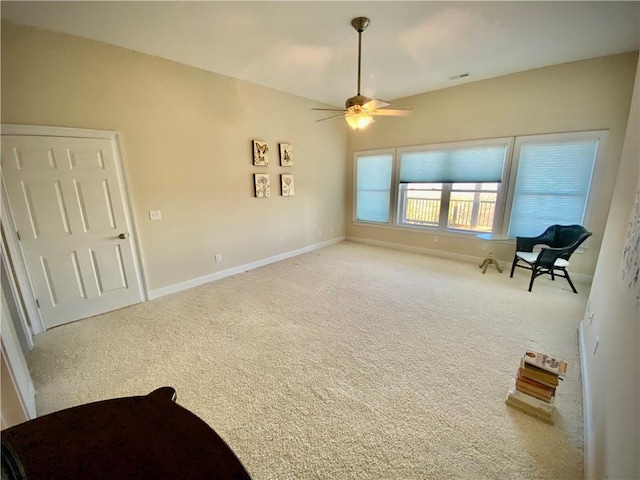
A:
539	376
533	394
511	400
550	419
546	362
533	402
537	386
547	411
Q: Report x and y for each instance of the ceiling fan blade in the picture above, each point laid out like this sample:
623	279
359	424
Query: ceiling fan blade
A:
392	112
329	118
329	109
374	104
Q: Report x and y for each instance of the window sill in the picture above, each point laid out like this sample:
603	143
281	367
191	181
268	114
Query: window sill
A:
419	229
443	233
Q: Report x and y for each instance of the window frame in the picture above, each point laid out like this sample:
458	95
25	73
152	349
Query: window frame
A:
498	217
602	136
392	187
504	199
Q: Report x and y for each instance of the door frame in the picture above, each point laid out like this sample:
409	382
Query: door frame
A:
18	369
24	315
13	247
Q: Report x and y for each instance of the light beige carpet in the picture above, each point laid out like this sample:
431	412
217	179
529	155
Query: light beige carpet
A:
350	362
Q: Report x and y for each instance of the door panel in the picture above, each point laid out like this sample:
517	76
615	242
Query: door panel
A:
47	211
63	277
95	206
68	203
33	158
85	159
109	267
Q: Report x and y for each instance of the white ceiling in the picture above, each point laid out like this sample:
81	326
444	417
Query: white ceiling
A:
310	49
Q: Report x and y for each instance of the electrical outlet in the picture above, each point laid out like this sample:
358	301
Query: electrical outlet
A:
484	246
155	214
595	349
218	257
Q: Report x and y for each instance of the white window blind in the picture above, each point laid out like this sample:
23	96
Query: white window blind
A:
373	187
552	185
457	165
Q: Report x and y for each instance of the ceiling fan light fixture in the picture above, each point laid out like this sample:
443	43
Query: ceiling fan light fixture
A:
359	110
358	120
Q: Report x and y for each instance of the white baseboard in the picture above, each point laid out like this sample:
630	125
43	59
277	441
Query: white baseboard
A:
423	250
577	277
586	405
161	292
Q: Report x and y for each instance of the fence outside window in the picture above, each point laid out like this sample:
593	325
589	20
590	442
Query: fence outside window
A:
473	215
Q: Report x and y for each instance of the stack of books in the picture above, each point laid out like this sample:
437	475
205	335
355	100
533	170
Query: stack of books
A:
534	389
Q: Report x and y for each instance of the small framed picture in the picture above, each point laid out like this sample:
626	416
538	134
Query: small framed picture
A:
286	155
263	188
286	182
260	153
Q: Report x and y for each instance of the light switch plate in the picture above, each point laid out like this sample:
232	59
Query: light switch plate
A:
155	214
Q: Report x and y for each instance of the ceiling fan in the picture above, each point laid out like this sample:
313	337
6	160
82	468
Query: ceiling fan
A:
360	110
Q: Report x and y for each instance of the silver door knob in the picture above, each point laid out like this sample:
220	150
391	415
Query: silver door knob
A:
123	236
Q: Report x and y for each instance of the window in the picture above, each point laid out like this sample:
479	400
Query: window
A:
373	187
420	203
471	206
452	187
553	181
515	185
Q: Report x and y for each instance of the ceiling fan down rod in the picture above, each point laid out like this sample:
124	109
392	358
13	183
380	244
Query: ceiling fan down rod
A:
359	57
360	24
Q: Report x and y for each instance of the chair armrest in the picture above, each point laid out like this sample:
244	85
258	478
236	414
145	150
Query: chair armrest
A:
548	255
526	244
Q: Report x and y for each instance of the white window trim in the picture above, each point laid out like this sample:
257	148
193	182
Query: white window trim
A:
504	201
500	200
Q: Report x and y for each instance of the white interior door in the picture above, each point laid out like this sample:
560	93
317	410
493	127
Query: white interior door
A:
67	200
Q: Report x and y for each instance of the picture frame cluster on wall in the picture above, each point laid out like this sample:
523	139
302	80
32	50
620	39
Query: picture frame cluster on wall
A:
262	183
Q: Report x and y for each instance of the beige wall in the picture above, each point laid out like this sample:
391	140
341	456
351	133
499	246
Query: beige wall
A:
186	143
586	95
613	372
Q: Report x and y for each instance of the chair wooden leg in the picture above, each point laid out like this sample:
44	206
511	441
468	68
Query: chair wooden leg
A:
533	277
566	275
513	266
